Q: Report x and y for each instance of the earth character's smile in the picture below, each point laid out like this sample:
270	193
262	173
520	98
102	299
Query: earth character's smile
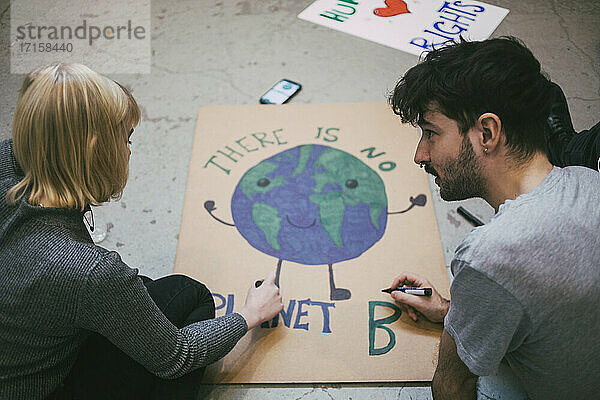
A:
298	226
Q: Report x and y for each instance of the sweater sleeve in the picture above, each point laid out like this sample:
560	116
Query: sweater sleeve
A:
115	303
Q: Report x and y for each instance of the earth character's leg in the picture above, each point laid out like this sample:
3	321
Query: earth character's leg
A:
334	292
278	272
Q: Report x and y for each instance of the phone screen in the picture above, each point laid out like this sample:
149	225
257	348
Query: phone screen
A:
281	92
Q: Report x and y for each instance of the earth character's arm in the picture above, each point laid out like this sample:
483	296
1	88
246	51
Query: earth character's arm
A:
210	207
420	201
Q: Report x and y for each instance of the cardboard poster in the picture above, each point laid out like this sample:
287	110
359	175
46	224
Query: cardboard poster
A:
412	26
329	196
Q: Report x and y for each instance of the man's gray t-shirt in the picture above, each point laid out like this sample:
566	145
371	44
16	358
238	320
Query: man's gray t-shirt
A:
527	289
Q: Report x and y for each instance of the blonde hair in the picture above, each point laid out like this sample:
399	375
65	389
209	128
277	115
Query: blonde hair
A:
70	137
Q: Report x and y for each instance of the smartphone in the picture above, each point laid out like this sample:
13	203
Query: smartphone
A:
281	92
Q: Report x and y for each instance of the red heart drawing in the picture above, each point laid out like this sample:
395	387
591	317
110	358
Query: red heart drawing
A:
394	7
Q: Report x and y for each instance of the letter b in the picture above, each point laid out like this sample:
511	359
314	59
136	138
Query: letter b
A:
379	323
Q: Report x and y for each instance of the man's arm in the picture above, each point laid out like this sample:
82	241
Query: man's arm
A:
452	380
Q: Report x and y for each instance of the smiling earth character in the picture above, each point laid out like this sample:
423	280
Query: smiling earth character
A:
313	205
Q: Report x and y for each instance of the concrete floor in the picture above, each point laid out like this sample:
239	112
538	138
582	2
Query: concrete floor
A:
208	53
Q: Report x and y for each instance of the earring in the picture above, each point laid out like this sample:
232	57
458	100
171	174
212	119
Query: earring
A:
485	149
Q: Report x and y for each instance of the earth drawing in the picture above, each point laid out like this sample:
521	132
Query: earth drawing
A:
313	205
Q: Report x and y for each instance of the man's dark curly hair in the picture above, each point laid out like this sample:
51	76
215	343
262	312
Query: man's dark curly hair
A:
467	79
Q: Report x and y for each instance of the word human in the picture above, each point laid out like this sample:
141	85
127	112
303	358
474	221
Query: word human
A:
345	8
247	144
294	316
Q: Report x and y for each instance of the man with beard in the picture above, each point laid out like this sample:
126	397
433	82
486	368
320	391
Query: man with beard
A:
525	290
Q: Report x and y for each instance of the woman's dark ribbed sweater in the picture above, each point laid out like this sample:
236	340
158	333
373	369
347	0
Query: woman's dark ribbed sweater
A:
56	287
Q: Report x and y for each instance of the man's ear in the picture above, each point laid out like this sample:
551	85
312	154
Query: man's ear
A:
489	127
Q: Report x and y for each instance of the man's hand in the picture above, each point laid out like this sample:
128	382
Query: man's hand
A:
433	307
262	303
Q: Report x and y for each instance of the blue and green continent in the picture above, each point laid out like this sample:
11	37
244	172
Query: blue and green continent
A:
311	204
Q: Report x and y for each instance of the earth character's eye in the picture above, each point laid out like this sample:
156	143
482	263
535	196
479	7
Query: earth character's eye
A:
351	183
263	182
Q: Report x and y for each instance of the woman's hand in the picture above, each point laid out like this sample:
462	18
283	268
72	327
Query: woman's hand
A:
262	303
433	307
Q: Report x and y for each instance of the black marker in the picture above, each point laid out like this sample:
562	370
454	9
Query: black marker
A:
417	291
469	217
